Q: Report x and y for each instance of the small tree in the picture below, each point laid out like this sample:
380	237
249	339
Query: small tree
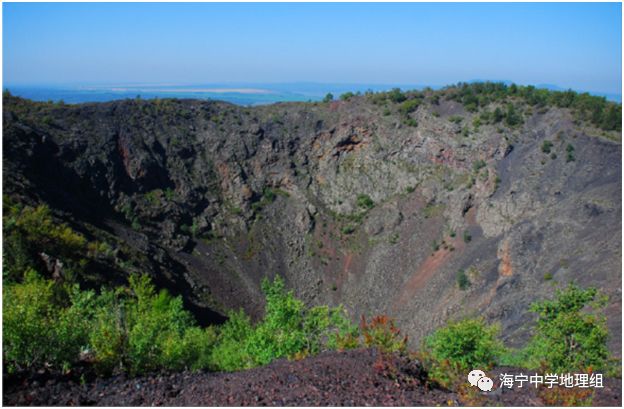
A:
512	118
568	337
347	96
466	344
463	282
498	115
329	97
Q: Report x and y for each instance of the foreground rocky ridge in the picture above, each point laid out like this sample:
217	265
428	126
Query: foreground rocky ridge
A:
352	378
348	200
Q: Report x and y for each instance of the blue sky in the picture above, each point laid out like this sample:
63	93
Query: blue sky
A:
570	45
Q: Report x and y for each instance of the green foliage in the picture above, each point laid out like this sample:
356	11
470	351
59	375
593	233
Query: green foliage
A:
469	343
364	201
568	336
411	122
347	96
570	153
169	194
611	120
409	106
142	330
512	118
596	110
546	146
229	353
134	329
329	97
396	96
29	231
153	197
39	330
288	329
463	282
497	115
456	119
478	165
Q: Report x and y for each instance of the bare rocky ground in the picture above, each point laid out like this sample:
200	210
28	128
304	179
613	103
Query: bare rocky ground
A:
352	378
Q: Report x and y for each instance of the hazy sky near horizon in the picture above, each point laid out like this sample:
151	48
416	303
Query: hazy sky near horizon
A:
576	45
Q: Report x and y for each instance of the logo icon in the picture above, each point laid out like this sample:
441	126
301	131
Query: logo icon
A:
485	384
477	378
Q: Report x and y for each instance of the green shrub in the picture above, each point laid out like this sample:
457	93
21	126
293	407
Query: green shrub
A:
347	96
512	118
288	329
409	106
108	334
456	119
37	329
468	344
329	97
141	330
169	194
28	231
365	201
570	153
478	165
567	336
230	353
463	282
411	122
396	96
547	146
152	318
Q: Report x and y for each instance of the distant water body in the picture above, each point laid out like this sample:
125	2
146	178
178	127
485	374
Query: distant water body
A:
240	94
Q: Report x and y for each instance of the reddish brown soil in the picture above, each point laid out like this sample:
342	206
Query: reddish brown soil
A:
350	378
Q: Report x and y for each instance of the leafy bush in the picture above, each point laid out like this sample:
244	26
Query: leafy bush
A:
512	118
570	153
135	328
365	201
497	115
411	122
348	229
567	337
329	97
141	330
470	343
29	231
547	146
347	96
396	96
288	329
230	353
478	165
456	119
463	282
37	329
409	106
